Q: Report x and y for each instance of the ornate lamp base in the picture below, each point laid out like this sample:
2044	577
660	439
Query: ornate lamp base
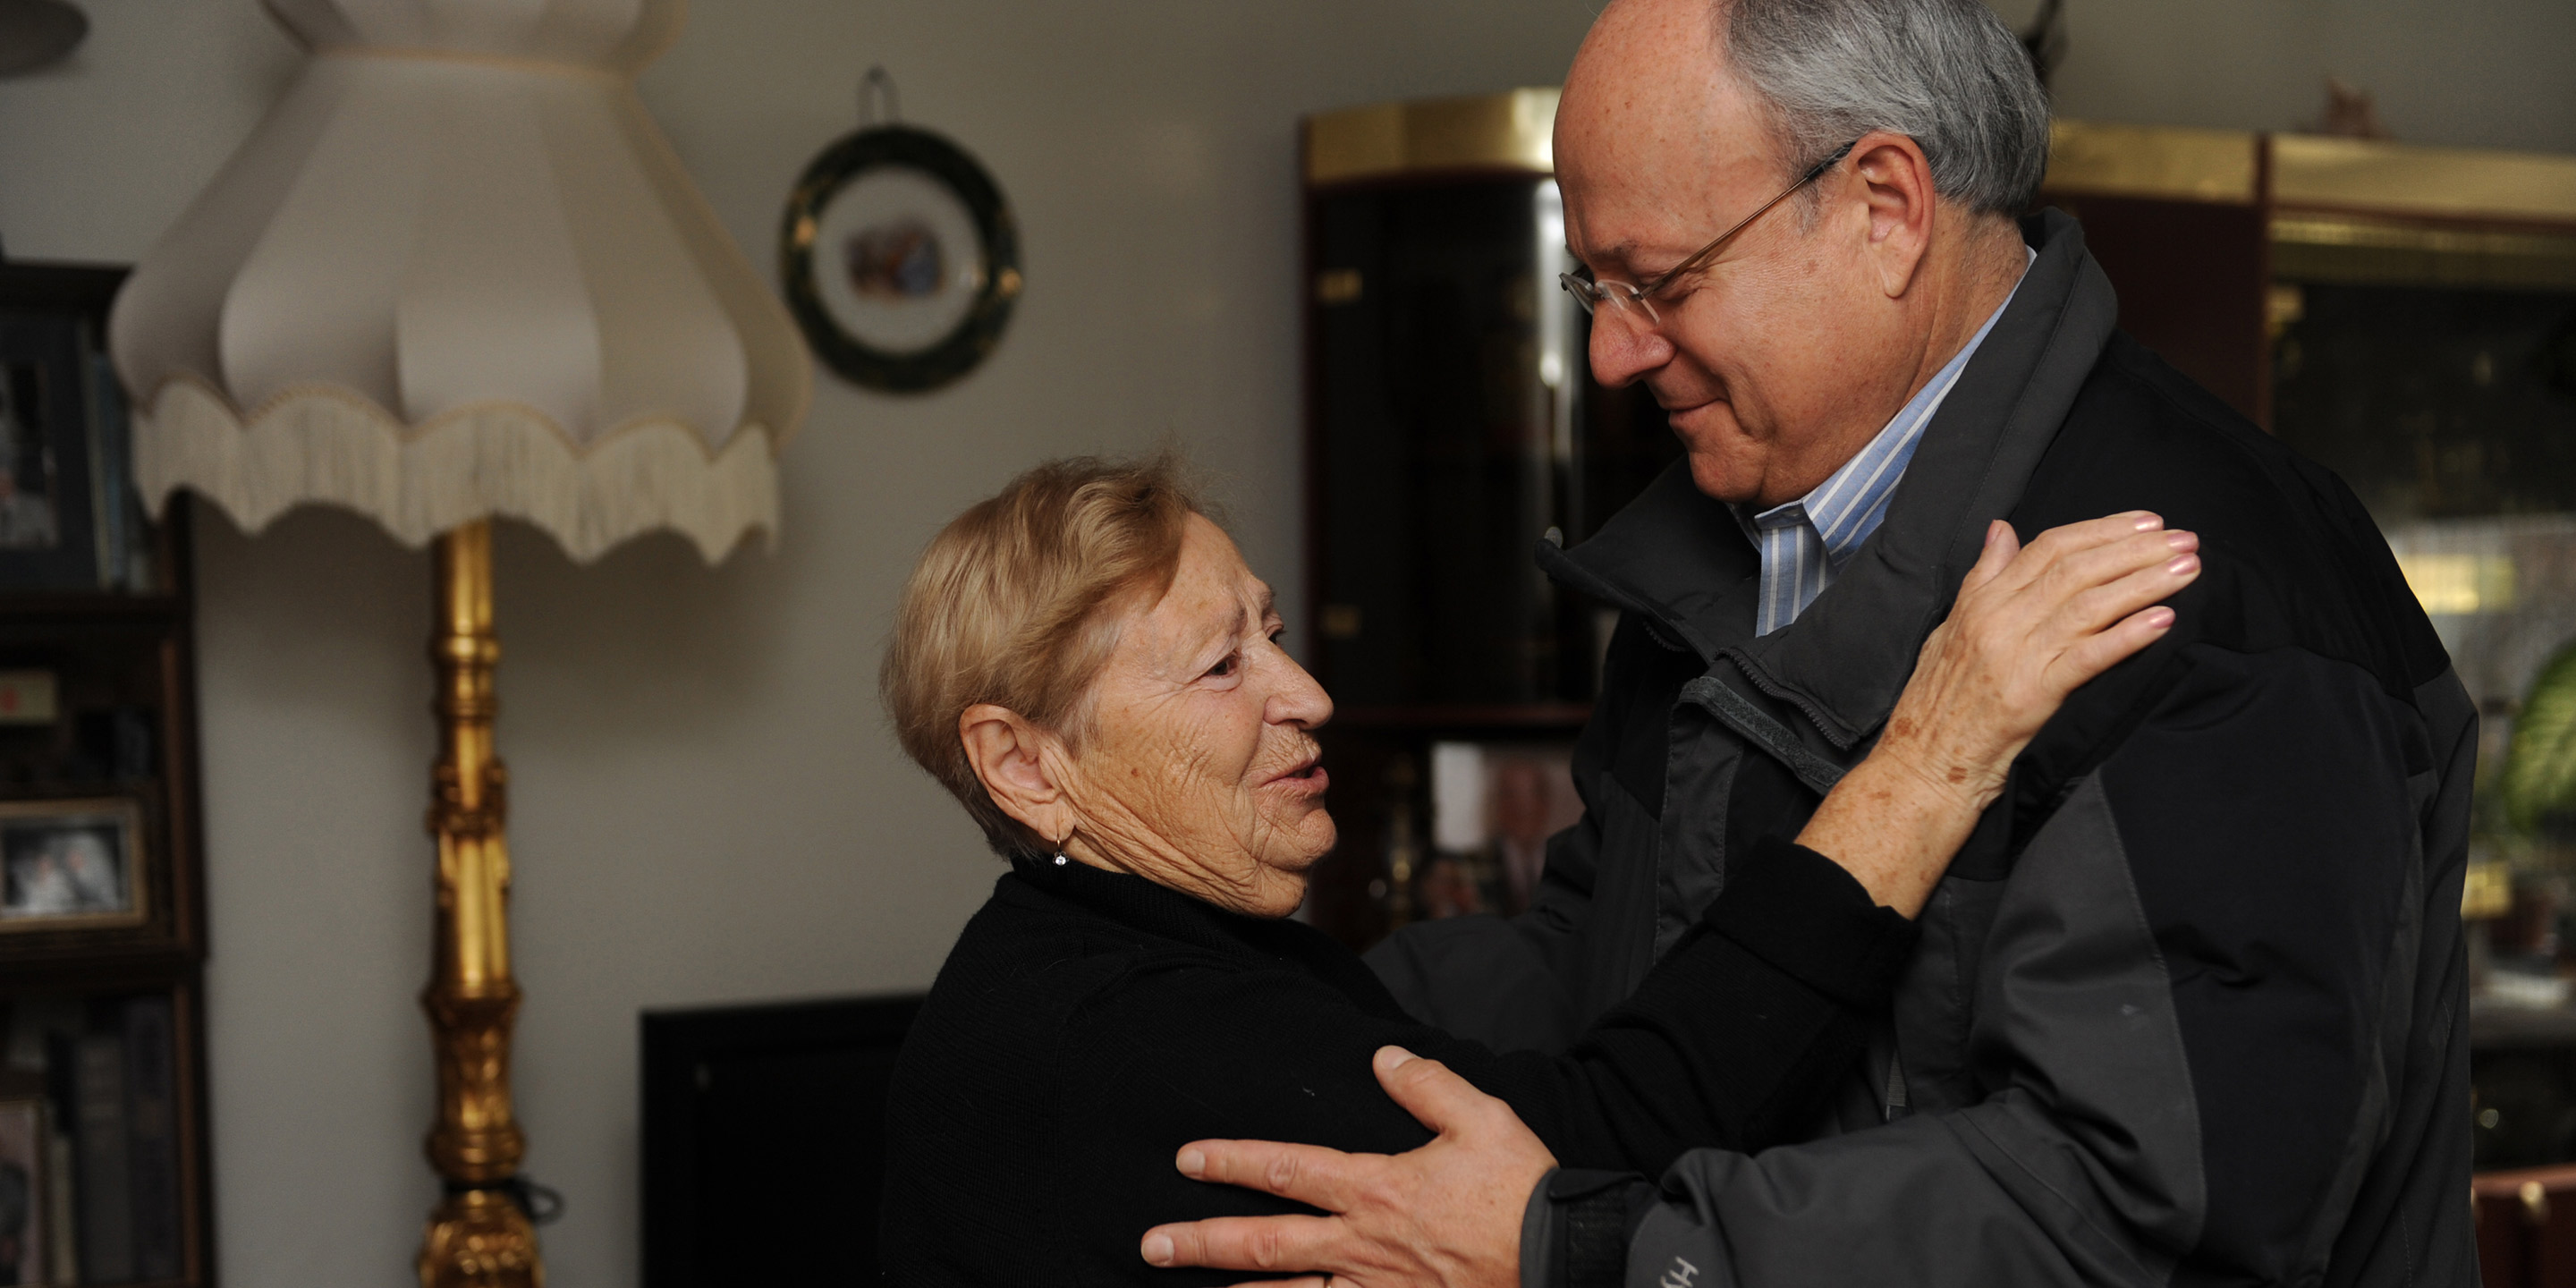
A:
479	1237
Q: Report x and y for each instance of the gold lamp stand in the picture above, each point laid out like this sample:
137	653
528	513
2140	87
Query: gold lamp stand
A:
479	1237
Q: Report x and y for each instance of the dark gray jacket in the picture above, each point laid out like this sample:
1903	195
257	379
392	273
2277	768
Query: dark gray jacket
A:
2190	1006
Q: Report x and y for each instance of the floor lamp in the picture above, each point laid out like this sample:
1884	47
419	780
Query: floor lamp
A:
458	274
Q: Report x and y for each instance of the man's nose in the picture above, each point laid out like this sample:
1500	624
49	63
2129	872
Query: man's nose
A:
1625	345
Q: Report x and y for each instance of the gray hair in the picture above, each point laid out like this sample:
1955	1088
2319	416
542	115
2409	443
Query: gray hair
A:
1946	73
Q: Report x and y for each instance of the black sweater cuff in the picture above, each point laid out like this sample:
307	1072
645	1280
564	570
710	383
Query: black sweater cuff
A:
1576	1232
1803	914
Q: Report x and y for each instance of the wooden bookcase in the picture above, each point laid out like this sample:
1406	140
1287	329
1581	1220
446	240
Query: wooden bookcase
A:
103	1011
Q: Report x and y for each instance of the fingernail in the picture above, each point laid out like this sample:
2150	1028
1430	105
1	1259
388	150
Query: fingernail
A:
2159	618
2183	565
1393	1058
2148	522
2182	540
1191	1162
1158	1249
1994	530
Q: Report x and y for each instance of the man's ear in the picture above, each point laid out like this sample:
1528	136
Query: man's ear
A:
1895	182
1012	758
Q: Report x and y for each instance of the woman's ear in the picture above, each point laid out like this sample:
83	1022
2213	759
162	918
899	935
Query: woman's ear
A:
1010	757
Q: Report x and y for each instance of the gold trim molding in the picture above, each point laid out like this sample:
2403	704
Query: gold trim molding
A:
2403	179
2152	161
1514	130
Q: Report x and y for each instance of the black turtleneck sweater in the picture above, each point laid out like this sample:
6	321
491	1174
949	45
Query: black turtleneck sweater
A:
1089	1023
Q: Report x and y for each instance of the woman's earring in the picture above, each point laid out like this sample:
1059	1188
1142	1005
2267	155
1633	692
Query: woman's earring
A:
1059	860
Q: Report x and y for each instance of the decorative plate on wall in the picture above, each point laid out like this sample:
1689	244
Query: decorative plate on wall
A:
900	258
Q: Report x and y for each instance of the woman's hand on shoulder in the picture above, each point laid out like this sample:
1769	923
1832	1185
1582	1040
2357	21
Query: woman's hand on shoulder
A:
2029	626
2032	624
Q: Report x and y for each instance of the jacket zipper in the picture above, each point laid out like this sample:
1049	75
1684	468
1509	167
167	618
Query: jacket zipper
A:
1744	663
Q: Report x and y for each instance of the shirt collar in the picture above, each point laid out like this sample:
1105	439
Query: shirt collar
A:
1847	507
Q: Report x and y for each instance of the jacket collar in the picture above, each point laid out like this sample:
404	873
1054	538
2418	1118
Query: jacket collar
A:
1678	557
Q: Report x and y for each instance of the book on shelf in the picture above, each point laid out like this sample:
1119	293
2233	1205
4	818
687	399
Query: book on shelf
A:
112	1197
62	1226
103	1158
152	1132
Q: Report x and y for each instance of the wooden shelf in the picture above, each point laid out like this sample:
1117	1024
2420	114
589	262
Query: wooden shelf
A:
161	609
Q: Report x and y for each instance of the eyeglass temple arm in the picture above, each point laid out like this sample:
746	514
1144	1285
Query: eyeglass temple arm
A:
1666	277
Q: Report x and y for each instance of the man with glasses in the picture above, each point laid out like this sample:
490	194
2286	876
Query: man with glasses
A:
2190	1006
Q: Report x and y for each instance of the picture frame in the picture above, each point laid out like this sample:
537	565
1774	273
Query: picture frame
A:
1494	804
899	258
74	865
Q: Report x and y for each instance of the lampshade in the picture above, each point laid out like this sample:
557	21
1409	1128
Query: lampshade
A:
457	273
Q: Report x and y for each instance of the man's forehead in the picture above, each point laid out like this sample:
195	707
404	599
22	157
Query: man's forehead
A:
1651	125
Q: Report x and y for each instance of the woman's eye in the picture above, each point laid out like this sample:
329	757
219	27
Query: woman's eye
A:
1223	668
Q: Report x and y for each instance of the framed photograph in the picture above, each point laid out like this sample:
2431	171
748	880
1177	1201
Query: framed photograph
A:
900	259
23	1187
72	865
1493	806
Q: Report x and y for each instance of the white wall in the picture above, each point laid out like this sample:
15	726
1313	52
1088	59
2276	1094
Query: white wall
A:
707	808
2462	73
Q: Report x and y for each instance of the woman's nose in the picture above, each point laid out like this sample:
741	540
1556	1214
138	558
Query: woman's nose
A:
1298	700
1625	345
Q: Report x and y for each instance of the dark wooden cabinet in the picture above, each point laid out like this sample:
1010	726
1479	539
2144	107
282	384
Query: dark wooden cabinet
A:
1451	426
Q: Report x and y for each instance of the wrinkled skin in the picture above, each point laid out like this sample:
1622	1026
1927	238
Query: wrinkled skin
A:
1195	767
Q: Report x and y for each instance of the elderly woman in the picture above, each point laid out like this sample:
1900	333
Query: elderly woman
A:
1087	665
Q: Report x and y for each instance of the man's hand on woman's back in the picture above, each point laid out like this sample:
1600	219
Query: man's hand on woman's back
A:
1447	1215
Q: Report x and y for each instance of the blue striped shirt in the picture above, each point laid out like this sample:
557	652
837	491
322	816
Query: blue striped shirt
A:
1806	541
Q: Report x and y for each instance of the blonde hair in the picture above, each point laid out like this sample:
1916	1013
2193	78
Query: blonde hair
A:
1016	603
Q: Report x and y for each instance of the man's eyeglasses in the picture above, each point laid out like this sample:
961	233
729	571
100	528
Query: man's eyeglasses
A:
1594	295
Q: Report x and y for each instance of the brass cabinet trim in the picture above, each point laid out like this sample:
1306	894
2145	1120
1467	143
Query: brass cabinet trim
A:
2404	179
1513	130
2152	161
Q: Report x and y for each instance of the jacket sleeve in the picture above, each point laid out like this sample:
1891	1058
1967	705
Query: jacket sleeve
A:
2190	1012
1737	1037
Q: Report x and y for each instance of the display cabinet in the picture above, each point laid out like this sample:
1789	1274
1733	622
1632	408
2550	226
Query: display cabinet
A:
1451	426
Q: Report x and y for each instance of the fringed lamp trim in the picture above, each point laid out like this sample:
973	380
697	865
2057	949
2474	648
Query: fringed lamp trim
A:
331	445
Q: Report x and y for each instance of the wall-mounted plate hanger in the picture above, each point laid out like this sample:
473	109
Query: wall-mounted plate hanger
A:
899	255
